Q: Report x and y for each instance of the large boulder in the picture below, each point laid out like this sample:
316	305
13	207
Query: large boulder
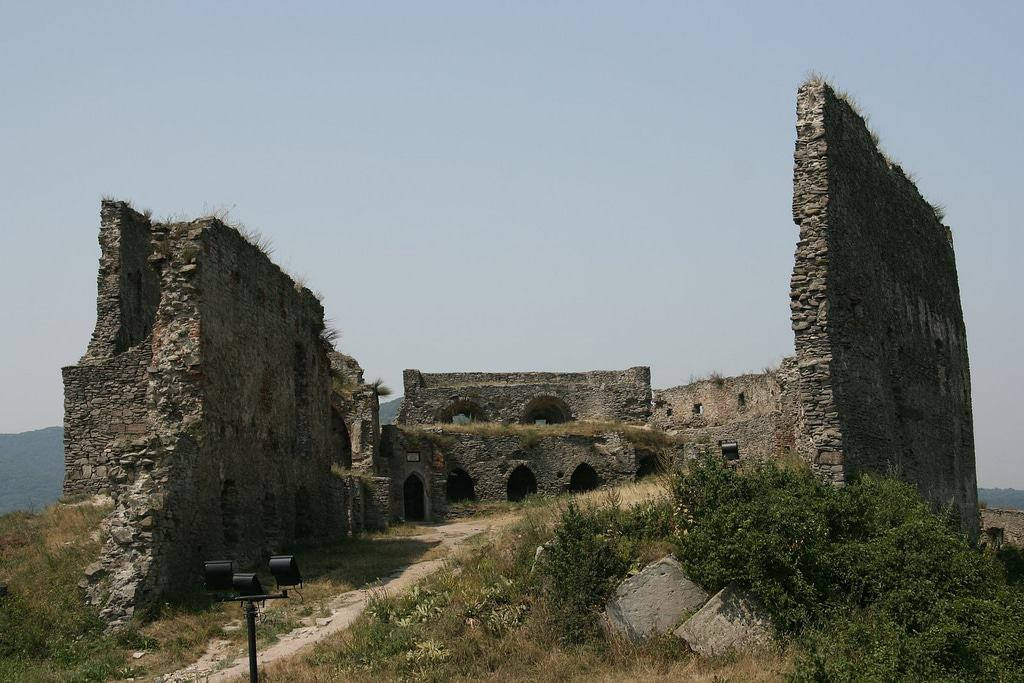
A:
654	600
730	621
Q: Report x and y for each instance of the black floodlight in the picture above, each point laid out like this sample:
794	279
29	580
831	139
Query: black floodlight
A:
285	570
247	584
219	574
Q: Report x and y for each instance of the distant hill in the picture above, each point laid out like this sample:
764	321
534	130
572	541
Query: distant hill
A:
389	410
31	469
1002	498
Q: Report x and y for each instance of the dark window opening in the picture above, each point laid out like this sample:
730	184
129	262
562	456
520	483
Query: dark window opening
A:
546	410
521	483
461	412
648	464
459	488
229	513
730	450
412	494
698	408
668	412
583	478
741	399
342	447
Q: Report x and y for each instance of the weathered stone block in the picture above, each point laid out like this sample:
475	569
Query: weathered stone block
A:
730	621
654	600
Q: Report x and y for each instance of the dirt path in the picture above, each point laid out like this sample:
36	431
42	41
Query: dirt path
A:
225	662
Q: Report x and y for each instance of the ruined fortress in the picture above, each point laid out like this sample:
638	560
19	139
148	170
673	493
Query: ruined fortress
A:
213	407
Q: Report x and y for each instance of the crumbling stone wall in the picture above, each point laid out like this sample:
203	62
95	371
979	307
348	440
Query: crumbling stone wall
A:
999	527
206	415
755	412
880	339
356	407
432	454
514	397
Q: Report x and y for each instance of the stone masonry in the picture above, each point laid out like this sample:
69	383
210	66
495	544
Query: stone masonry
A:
880	339
525	397
202	405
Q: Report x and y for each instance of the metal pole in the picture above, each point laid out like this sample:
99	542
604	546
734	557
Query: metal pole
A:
250	623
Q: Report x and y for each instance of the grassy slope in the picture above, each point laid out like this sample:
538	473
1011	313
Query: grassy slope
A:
483	619
47	633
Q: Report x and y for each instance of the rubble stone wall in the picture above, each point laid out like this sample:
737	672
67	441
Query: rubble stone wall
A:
880	339
512	397
757	412
1000	526
489	460
213	430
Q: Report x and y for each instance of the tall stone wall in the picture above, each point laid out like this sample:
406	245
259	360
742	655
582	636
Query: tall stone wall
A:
516	397
214	429
880	339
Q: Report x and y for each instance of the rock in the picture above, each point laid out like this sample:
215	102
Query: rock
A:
654	600
730	621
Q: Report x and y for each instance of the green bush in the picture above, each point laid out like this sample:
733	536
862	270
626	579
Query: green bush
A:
865	573
581	566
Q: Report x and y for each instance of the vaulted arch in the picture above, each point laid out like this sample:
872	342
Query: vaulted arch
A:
546	410
461	411
521	483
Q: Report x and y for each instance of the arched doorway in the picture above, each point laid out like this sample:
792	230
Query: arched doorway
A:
459	488
462	411
521	483
649	463
342	442
546	410
583	478
412	494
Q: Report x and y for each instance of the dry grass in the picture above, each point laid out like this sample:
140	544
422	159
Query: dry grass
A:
449	630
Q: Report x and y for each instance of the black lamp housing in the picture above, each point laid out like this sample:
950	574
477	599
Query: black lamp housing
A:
219	574
247	584
285	570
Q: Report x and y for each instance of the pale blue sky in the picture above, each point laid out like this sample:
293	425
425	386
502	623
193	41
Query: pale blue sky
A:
491	186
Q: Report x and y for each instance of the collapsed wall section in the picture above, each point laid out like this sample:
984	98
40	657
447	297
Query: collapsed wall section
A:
526	397
880	338
106	411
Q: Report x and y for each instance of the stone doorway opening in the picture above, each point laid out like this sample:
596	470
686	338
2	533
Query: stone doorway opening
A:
583	478
459	488
412	494
521	483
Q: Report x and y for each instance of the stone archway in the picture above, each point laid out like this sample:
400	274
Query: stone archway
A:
415	507
461	411
584	478
459	487
546	410
521	483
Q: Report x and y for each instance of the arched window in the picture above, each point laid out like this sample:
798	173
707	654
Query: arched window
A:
341	450
583	478
461	411
459	487
521	483
412	494
648	463
546	410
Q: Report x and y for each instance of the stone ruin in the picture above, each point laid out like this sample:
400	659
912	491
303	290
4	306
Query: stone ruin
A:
212	406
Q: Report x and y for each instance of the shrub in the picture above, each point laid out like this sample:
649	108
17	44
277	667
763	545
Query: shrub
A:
581	566
877	585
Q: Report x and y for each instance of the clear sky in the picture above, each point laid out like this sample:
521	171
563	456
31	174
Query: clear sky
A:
498	185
